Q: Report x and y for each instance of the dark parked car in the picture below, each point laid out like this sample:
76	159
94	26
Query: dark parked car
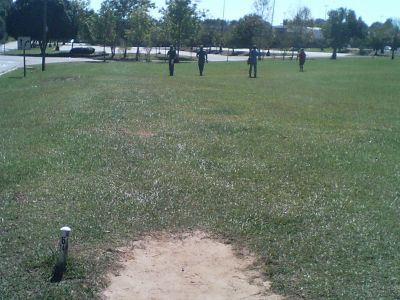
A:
81	51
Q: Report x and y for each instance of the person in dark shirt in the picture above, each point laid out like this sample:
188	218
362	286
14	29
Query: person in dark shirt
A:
302	59
202	59
253	56
171	60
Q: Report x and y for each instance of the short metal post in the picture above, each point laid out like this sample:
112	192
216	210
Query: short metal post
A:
61	263
24	64
28	41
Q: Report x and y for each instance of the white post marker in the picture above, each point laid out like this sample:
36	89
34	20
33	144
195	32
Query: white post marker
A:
61	263
65	231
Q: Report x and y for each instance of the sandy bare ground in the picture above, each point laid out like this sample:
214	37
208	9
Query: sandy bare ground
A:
186	266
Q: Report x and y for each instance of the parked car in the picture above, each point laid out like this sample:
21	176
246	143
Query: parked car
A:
81	51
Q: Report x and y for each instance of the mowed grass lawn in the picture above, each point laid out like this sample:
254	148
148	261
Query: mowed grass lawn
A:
302	168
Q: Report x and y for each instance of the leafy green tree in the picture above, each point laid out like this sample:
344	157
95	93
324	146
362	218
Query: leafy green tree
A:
4	7
358	30
384	34
226	32
211	32
3	30
250	30
262	8
181	19
283	39
106	27
394	35
228	36
319	22
319	41
377	36
140	25
28	18
298	31
341	26
83	19
336	30
159	34
122	10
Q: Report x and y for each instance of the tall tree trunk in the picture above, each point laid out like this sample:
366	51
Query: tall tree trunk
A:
112	51
179	43
393	53
44	41
43	46
137	53
104	51
334	54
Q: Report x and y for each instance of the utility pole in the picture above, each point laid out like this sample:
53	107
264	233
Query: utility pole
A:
273	13
223	12
223	20
44	41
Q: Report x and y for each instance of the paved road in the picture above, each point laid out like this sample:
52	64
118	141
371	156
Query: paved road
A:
211	57
132	50
9	63
8	46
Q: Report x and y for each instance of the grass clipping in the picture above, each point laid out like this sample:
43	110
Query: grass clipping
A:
186	266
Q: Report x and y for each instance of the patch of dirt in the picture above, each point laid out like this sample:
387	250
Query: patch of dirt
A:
140	133
65	78
186	266
145	134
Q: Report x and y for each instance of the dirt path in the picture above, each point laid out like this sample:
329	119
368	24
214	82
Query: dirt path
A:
188	266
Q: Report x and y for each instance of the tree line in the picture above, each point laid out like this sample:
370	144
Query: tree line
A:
128	23
4	8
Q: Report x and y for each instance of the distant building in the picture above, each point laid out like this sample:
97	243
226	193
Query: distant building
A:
280	28
317	33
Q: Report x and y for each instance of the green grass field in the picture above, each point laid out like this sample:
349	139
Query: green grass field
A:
302	168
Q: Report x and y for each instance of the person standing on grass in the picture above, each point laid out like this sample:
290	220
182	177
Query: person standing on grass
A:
302	59
253	55
202	59
171	60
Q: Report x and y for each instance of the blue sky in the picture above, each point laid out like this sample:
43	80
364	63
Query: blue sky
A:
369	10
